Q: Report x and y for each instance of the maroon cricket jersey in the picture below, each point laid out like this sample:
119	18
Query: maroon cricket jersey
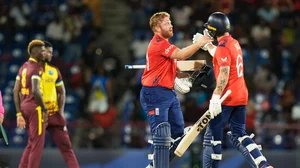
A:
31	69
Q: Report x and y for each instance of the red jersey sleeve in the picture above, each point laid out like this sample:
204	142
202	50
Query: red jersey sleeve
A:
167	49
222	56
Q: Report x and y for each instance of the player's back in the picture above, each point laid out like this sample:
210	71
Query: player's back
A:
236	81
50	79
28	71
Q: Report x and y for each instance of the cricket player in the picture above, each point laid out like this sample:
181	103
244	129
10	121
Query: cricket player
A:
1	110
229	73
31	109
54	96
157	96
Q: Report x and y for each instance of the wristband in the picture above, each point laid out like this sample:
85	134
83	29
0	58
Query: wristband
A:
19	114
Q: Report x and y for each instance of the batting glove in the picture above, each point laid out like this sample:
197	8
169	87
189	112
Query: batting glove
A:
182	85
215	106
196	38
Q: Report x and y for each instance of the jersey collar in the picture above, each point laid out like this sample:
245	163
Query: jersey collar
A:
32	59
224	38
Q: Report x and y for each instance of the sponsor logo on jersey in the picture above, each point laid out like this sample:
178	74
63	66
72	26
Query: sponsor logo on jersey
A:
168	49
224	59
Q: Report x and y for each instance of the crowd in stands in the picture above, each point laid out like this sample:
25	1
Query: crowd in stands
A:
103	99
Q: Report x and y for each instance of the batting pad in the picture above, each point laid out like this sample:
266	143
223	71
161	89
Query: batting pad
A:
162	143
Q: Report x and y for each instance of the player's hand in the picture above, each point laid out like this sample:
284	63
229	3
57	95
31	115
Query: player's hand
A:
204	40
21	122
1	119
45	116
215	106
182	85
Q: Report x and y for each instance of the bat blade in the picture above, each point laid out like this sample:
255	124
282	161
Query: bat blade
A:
4	134
192	134
195	130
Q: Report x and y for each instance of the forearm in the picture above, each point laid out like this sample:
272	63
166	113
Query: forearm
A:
211	49
61	102
1	106
187	52
222	80
39	99
17	102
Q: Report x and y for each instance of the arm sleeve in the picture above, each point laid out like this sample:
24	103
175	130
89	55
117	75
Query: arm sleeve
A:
223	56
18	77
37	72
1	106
167	49
59	80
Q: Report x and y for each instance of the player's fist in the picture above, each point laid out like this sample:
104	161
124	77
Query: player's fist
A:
215	106
196	37
1	119
204	40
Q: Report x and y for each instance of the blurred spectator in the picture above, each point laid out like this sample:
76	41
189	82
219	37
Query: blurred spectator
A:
139	47
3	13
102	93
261	33
287	101
55	33
264	80
268	12
71	38
181	14
95	7
20	12
226	6
250	117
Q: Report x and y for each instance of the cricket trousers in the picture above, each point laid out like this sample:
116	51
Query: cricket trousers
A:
36	137
58	131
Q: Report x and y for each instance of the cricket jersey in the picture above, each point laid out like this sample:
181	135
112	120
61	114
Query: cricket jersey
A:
31	69
51	78
229	53
160	68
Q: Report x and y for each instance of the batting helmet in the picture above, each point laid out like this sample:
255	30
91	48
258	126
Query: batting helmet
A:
217	24
204	78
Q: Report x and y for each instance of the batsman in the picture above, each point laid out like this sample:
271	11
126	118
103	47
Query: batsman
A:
229	73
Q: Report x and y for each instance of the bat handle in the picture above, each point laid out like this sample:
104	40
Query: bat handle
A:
228	92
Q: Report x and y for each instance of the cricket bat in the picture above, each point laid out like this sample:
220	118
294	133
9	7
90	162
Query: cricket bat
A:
185	65
195	130
3	134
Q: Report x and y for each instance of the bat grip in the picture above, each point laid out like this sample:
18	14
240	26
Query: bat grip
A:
228	92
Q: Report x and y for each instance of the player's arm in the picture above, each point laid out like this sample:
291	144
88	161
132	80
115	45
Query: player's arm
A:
182	54
35	80
223	58
61	97
61	93
17	89
222	80
1	110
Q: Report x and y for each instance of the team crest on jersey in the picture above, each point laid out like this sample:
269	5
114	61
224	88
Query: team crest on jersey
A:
50	72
